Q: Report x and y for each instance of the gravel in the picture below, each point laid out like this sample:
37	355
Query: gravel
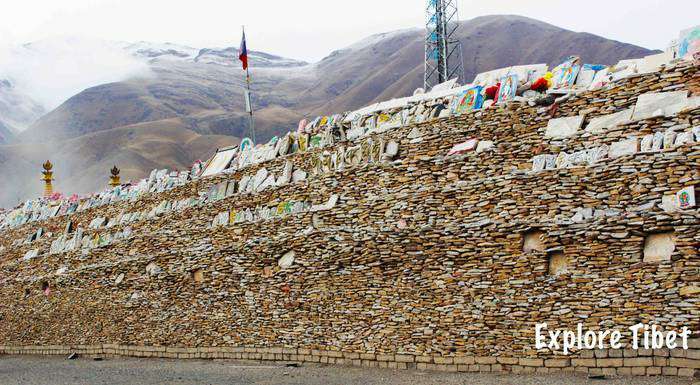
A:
38	370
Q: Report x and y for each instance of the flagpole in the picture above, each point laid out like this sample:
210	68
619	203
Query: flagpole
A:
249	101
252	121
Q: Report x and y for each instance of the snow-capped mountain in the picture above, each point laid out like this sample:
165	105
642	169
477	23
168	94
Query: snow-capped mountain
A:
162	51
17	111
229	56
159	52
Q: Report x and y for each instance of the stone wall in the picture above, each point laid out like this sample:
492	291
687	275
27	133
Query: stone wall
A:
421	262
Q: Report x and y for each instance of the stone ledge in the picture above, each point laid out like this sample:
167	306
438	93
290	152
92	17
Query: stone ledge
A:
632	366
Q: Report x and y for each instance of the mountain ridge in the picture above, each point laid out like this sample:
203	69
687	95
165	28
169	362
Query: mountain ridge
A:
205	99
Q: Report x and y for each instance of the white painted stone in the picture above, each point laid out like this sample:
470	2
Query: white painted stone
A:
582	214
579	158
392	149
269	153
286	260
298	208
563	127
31	254
298	176
585	78
269	182
259	178
230	191
653	63
332	201
415	133
484	145
685	199
669	138
550	162
463	147
282	146
562	160
647	143
355	133
658	142
334	161
693	102
624	147
119	279
221	219
600	124
96	223
599	153
248	215
626	68
684	137
286	176
538	163
340	158
326	162
660	104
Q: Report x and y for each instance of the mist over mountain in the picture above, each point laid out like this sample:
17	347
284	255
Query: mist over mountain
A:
17	111
162	93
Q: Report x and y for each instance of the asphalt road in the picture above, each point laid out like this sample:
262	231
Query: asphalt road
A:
38	370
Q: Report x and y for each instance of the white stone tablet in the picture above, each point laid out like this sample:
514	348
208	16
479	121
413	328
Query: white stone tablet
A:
660	104
563	127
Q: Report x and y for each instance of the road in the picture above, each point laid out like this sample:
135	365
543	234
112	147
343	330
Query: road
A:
38	370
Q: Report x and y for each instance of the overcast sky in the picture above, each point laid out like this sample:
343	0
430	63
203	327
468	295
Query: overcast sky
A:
310	29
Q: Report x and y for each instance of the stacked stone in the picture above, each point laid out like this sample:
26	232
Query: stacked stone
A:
426	260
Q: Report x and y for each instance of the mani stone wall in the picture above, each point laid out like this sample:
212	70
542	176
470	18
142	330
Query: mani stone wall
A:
426	261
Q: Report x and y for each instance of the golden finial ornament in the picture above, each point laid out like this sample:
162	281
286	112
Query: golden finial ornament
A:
48	178
114	178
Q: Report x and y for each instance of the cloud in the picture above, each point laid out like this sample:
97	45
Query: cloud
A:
52	70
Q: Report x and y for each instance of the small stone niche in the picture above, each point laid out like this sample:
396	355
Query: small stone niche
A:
198	275
659	247
533	241
557	263
44	285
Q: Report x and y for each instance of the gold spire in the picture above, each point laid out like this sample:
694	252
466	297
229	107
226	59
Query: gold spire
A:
114	178
48	178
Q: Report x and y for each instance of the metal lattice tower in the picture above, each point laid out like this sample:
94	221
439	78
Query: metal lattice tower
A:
443	52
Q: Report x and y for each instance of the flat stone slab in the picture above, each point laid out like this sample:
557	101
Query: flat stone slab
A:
562	128
663	103
624	147
600	124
